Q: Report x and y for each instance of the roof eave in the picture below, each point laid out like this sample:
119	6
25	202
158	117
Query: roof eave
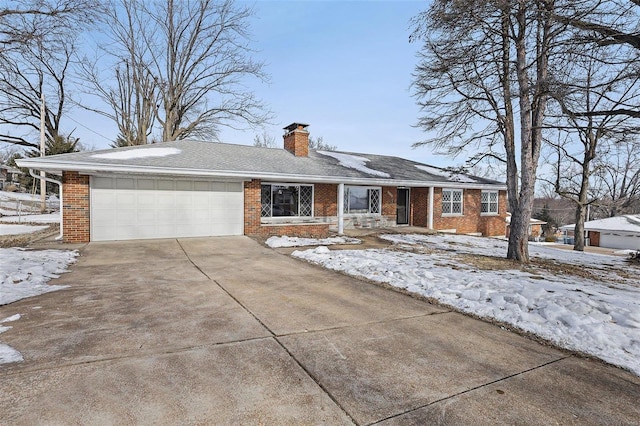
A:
97	168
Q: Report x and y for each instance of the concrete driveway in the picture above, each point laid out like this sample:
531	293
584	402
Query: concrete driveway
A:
224	331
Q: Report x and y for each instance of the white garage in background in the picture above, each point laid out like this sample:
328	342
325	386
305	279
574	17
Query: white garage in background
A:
619	232
130	208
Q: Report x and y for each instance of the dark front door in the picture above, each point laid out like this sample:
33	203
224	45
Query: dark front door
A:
402	216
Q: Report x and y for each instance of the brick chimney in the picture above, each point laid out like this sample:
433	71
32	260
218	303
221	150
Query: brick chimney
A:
296	139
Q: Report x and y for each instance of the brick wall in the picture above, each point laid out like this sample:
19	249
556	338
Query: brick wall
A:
389	203
75	205
419	201
325	205
325	200
253	211
252	207
471	221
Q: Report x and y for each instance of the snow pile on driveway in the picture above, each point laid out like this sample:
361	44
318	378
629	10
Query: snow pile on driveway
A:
599	316
25	273
276	242
7	353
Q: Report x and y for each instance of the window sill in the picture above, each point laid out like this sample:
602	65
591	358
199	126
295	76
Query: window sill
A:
489	214
293	220
452	215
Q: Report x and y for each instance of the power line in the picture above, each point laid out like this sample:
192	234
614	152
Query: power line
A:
89	129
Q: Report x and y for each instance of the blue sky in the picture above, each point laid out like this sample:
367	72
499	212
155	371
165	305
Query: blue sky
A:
344	67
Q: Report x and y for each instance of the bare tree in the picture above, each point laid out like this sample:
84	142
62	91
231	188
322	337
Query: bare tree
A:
26	75
188	61
617	178
484	66
28	21
599	81
36	46
264	140
132	91
319	144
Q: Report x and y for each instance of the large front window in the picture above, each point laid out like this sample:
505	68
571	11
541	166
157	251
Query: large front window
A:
286	200
362	199
452	201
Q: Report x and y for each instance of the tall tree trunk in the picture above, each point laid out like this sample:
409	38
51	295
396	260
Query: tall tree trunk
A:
578	231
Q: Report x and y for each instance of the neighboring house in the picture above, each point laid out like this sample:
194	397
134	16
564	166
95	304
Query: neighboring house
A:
189	189
535	227
620	232
9	176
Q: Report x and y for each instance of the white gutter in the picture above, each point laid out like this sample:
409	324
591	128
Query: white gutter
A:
46	179
341	208
97	168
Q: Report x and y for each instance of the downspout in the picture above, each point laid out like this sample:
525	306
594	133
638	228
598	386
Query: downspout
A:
430	212
341	208
46	179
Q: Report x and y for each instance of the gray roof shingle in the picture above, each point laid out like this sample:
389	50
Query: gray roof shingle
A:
210	159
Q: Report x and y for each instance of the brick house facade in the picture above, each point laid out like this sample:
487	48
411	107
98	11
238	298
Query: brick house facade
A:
117	189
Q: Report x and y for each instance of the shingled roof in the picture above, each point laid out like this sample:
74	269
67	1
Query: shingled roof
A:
208	159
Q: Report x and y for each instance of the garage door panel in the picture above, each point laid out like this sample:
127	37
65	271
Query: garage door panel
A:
141	208
618	241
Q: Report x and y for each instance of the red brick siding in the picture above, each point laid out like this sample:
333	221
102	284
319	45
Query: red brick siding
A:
253	210
389	202
325	200
76	208
419	201
471	221
252	207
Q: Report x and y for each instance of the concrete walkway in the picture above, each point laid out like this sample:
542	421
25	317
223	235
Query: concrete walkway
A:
224	331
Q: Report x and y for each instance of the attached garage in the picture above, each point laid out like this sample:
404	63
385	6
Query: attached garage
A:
130	208
619	240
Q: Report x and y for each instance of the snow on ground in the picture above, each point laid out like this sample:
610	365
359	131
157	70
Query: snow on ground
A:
19	229
576	313
285	241
25	273
22	196
33	218
7	353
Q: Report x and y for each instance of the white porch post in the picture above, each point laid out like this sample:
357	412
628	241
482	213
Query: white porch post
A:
430	212
341	208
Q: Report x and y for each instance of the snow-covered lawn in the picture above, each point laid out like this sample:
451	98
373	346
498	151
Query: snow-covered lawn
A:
19	229
584	302
285	241
32	218
25	273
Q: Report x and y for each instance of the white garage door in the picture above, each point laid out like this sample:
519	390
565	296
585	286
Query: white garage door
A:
619	241
124	208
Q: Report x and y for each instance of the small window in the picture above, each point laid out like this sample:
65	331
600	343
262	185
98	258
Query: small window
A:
452	201
489	202
286	200
362	200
